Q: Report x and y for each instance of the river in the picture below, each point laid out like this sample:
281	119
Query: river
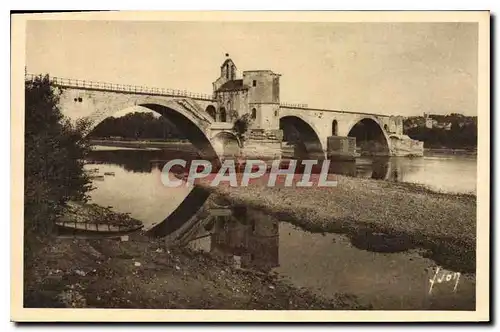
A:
324	263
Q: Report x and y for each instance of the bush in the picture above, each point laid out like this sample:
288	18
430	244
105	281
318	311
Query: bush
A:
54	153
462	134
241	125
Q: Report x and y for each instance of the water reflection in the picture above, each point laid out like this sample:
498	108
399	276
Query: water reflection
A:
443	172
189	210
381	270
447	173
378	168
242	239
136	185
145	160
138	161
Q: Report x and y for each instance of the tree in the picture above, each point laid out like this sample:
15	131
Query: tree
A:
241	125
462	134
54	153
136	125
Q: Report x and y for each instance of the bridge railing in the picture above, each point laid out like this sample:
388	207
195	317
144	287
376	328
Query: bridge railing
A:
75	83
294	105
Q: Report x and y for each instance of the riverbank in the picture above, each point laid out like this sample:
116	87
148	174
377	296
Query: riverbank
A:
144	144
402	216
142	273
463	151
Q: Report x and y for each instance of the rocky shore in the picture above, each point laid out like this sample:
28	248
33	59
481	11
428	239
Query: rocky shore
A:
442	224
141	272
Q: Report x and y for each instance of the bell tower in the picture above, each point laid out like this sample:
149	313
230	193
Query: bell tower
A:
227	73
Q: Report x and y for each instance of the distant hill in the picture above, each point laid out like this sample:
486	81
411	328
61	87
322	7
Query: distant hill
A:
454	131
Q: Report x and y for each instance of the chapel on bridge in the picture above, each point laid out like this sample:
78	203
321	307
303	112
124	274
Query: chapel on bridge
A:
256	92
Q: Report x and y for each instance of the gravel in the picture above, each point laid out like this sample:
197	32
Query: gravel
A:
443	223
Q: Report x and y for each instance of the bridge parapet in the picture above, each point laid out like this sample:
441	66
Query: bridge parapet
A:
126	88
294	105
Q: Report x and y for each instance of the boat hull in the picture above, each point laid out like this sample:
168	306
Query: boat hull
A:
96	228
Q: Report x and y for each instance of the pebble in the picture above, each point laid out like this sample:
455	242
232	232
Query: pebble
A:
80	273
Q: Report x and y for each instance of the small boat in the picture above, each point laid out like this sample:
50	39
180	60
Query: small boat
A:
109	173
85	219
97	177
92	162
97	227
221	212
92	170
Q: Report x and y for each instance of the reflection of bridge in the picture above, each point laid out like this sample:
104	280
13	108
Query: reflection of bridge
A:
208	120
245	237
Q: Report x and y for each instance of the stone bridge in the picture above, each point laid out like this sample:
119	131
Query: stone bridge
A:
208	120
274	129
189	112
336	132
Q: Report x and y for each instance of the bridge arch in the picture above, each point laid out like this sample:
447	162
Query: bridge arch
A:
371	138
192	128
300	133
227	144
194	124
212	112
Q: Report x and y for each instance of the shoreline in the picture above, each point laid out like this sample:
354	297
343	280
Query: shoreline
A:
444	224
142	144
74	272
143	272
110	141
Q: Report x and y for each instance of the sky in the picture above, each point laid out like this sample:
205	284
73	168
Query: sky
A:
384	68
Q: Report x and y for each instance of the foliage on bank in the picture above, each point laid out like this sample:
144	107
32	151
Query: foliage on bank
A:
462	135
137	125
54	153
241	125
